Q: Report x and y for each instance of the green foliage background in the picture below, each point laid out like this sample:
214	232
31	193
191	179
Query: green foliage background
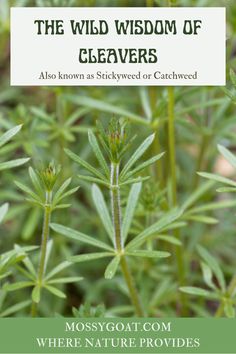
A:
57	118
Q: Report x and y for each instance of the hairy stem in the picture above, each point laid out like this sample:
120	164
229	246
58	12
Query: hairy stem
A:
173	180
117	223
115	206
43	249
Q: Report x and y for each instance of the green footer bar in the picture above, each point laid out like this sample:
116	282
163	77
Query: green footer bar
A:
131	335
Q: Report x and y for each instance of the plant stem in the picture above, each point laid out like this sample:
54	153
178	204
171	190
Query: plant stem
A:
116	207
118	241
43	249
131	286
173	203
171	145
200	160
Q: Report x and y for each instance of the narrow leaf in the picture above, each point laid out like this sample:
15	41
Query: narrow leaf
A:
149	254
78	236
143	165
28	191
202	218
85	164
9	134
55	291
102	210
217	178
59	268
105	107
197	291
60	191
36	294
15	308
165	221
18	285
137	154
170	239
35	181
207	275
112	268
196	195
226	190
98	153
65	280
229	309
3	211
130	208
212	263
13	163
93	180
228	155
90	256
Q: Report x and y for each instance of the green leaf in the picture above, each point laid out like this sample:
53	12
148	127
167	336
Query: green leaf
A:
226	190
55	291
90	256
28	191
112	268
105	107
161	224
36	294
130	209
143	165
197	291
103	211
59	268
65	195
228	155
137	154
85	164
13	163
35	181
149	254
3	211
93	180
78	236
202	218
9	134
217	178
134	180
65	280
18	285
170	239
15	308
229	309
214	206
61	190
212	263
98	153
207	275
196	195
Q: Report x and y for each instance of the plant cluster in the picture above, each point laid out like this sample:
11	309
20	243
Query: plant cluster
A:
146	234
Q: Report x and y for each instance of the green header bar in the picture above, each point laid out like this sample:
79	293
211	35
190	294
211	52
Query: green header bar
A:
133	335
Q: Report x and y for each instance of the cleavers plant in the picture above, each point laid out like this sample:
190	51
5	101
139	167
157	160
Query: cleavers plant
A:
46	197
116	173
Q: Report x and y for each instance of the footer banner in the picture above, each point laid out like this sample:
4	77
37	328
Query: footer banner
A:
133	335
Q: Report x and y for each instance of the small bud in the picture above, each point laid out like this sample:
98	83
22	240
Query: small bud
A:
49	175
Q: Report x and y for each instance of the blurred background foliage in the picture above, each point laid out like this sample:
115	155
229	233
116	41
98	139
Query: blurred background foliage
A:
55	118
